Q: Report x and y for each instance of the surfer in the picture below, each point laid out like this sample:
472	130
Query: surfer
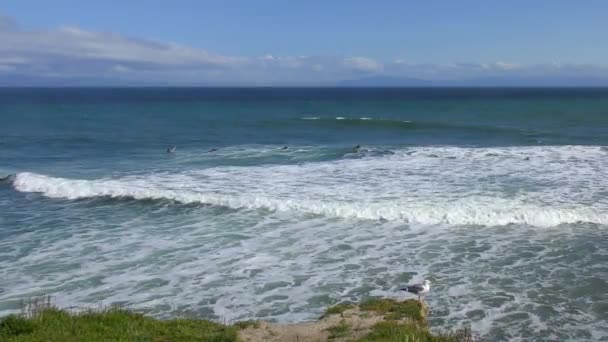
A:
212	150
357	148
171	149
284	148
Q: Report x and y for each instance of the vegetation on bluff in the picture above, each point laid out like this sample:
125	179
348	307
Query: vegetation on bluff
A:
374	320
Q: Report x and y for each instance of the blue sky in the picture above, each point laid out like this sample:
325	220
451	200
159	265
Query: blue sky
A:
301	42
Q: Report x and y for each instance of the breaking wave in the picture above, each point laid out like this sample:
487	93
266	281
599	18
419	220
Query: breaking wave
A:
469	212
456	186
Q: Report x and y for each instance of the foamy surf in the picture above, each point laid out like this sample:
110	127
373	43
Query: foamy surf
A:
429	186
472	211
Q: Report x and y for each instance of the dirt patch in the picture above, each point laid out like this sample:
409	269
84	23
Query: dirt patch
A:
346	325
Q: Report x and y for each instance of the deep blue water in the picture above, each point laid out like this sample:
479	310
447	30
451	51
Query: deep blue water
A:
499	196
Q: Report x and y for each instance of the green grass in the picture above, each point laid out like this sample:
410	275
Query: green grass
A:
396	310
338	309
111	325
404	322
340	330
393	331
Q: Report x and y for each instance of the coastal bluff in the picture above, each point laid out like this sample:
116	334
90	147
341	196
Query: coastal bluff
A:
379	319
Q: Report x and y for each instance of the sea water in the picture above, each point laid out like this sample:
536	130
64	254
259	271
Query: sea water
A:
498	196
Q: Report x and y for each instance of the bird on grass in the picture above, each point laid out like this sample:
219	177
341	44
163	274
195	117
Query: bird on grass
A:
420	290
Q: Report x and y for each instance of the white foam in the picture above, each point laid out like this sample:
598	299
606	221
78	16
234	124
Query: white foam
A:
443	185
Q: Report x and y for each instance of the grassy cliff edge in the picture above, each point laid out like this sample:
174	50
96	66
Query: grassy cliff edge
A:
372	320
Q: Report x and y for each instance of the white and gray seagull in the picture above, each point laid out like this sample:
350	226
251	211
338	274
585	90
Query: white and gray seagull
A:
418	289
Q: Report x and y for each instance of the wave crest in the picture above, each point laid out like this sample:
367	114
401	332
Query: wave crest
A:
468	211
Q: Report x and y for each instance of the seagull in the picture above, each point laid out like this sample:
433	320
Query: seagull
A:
418	289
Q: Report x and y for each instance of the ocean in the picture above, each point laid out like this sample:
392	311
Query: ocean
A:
498	196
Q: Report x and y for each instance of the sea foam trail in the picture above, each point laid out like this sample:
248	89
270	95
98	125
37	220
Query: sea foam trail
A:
541	187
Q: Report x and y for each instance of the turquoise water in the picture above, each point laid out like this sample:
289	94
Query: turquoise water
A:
498	196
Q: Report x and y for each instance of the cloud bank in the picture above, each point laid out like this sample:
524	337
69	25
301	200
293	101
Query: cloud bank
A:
72	54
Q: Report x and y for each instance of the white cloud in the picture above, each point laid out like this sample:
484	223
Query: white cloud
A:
363	64
79	45
120	68
267	57
283	62
506	66
72	53
499	66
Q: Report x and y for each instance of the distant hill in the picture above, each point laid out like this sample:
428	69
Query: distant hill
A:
534	81
495	81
